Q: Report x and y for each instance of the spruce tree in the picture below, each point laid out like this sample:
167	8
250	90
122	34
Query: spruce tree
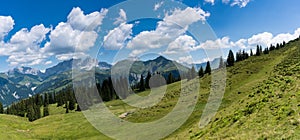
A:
142	85
193	72
230	59
46	111
251	53
257	51
221	64
72	103
1	108
201	72
147	80
31	114
208	68
170	78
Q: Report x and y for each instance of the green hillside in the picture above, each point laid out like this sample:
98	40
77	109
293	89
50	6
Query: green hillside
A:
261	102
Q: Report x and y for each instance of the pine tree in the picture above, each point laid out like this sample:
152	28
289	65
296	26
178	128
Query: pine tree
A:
193	72
78	108
221	64
31	114
207	69
230	59
257	51
1	108
147	80
170	78
251	52
46	99
46	111
201	72
142	85
72	103
67	108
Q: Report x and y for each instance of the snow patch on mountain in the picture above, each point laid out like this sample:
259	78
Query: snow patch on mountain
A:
16	96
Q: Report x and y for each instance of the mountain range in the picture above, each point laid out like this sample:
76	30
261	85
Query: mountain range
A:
23	82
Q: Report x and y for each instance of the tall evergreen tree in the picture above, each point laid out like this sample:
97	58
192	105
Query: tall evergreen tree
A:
142	85
170	78
71	103
147	80
46	111
230	59
31	114
221	64
193	72
201	72
208	68
257	51
1	108
251	52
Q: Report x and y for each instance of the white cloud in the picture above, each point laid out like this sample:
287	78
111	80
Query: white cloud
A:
117	37
7	24
158	5
79	21
174	24
25	46
68	56
77	34
240	3
263	39
48	62
216	44
260	39
64	39
210	1
182	44
122	17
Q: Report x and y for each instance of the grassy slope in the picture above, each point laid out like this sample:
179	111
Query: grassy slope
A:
261	101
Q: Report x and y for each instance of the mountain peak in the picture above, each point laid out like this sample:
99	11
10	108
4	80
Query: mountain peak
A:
24	70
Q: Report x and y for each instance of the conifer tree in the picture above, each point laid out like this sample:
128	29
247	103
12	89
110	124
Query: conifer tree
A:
221	64
147	80
1	108
170	78
193	72
257	51
71	103
251	52
201	72
46	111
142	85
208	68
230	59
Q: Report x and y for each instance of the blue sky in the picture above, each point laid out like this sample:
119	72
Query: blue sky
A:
235	25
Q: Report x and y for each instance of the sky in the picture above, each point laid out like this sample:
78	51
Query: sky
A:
40	34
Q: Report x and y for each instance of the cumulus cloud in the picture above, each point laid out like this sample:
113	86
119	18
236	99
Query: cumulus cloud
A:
173	25
240	3
265	39
7	24
77	34
210	1
182	44
158	5
79	21
25	47
116	38
122	17
64	39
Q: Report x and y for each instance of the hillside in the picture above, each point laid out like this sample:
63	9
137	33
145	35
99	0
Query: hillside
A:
261	102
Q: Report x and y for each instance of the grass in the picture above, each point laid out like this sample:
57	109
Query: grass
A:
261	101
